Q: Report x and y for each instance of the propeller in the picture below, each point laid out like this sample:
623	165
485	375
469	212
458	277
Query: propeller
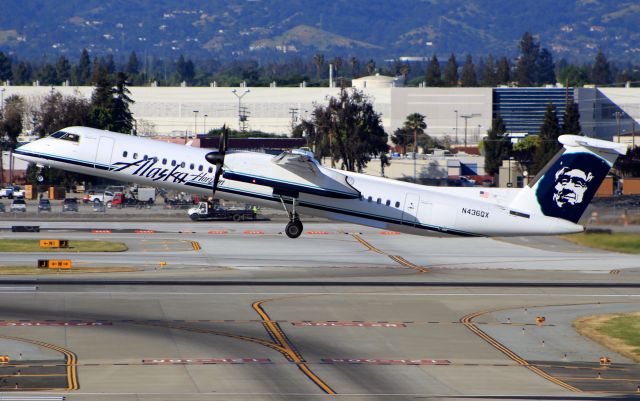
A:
217	157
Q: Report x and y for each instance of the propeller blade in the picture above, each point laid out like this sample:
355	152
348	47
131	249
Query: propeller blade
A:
216	178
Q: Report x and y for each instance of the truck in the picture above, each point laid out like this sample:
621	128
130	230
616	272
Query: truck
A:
105	197
121	200
205	211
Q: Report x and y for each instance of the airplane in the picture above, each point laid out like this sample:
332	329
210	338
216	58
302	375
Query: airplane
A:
551	204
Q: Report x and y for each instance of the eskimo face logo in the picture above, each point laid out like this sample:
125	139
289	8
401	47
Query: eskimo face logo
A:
571	185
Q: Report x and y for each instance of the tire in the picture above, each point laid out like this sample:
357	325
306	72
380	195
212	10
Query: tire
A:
293	229
237	217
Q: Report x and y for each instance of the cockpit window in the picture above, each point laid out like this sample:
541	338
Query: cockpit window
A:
57	134
70	137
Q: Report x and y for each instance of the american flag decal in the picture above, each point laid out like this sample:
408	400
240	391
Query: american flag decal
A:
484	194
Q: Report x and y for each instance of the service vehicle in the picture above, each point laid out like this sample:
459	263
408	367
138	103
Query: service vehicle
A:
6	192
204	211
105	197
18	205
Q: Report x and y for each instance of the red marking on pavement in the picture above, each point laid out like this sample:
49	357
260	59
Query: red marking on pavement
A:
318	232
254	232
100	231
387	361
204	361
389	233
348	324
218	232
35	324
144	232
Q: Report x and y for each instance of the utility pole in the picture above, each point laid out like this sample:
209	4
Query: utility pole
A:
2	100
195	123
466	120
456	111
242	113
205	124
294	116
618	116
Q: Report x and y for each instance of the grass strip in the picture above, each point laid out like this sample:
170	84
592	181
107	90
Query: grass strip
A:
29	245
616	242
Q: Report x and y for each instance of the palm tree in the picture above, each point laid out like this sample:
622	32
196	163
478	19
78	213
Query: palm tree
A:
371	66
353	62
337	64
318	60
415	123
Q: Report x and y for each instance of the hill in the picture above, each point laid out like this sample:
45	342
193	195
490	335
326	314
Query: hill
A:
572	29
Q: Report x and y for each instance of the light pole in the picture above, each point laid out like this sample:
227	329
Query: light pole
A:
195	123
466	120
240	96
2	100
205	124
618	115
456	111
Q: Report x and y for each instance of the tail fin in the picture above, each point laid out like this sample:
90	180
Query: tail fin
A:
566	185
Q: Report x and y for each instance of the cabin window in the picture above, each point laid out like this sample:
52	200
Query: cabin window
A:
173	162
144	157
164	161
397	204
182	164
70	137
210	170
135	156
388	202
379	201
369	199
125	153
191	166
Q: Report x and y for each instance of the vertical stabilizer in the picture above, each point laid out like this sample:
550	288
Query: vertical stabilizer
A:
566	185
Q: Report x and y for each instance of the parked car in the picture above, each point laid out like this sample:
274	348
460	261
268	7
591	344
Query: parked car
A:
105	197
99	207
44	205
6	193
18	205
70	205
2	209
18	192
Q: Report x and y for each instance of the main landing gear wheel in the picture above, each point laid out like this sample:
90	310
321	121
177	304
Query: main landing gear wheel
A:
293	229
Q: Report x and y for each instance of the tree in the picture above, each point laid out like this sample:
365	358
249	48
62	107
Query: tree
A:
404	70
185	69
415	125
337	65
22	73
545	68
401	138
574	76
571	120
433	72
47	75
63	69
451	72
524	152
503	73
318	60
12	119
5	68
349	130
371	67
83	69
497	146
549	133
121	115
490	78
355	66
526	67
468	77
101	100
601	71
133	65
629	165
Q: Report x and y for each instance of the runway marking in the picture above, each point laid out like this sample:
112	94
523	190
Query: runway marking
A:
218	232
395	258
347	324
253	232
204	361
389	233
467	321
101	232
144	231
195	245
280	338
615	271
368	361
318	232
70	358
47	323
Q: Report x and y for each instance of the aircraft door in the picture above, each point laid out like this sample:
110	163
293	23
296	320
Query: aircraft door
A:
410	211
425	212
103	153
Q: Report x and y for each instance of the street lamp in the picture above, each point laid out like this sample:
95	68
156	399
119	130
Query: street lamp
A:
195	123
466	119
240	96
205	124
618	115
456	111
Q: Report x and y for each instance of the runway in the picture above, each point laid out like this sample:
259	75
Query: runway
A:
163	339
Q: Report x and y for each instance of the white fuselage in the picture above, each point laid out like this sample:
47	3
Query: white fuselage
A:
385	204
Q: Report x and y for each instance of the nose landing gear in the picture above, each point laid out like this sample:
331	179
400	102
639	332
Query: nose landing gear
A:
294	227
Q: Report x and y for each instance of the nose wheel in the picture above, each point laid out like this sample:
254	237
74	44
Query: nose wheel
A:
294	226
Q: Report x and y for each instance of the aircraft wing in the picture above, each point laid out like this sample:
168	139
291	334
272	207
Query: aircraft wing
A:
294	172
